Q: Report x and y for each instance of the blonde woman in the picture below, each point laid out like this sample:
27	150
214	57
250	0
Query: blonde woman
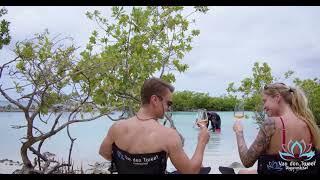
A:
289	139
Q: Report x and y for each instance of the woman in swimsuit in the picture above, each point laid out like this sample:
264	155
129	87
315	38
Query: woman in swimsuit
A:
289	132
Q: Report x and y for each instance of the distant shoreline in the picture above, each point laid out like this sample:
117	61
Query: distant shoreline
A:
18	110
14	111
70	111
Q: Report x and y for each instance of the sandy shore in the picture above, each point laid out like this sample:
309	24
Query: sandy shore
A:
9	169
9	166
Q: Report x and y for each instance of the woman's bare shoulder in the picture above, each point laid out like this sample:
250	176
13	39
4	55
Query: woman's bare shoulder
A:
276	121
269	125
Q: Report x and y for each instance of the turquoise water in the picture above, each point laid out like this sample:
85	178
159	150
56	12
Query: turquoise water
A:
220	150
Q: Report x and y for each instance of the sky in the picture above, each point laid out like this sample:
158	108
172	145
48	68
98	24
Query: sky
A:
231	39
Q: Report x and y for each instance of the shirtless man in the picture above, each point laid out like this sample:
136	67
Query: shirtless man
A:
142	145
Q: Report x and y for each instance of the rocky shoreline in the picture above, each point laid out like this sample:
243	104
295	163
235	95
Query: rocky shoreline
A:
10	162
8	166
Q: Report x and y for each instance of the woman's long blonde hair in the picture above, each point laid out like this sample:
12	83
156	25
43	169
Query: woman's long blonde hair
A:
298	102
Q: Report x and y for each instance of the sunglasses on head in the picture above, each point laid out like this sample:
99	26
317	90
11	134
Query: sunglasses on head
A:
267	86
274	85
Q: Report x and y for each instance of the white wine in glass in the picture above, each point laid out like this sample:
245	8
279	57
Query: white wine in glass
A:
239	111
202	117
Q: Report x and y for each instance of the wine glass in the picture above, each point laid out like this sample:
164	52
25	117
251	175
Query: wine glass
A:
169	113
202	117
239	111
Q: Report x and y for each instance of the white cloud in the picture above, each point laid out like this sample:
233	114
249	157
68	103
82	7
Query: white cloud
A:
231	40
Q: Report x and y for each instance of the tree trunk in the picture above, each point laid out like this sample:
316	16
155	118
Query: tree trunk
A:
27	165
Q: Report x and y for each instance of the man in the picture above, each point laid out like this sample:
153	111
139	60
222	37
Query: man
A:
141	144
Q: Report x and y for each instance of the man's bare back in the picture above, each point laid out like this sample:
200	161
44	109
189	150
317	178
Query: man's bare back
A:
149	136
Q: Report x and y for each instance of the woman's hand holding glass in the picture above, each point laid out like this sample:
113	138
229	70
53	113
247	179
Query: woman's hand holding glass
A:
239	111
238	115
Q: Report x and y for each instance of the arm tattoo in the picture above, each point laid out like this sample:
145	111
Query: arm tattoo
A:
258	147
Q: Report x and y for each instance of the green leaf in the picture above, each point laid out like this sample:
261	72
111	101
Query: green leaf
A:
127	59
195	32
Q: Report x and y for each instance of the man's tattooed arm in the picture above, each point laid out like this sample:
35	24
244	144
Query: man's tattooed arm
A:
260	144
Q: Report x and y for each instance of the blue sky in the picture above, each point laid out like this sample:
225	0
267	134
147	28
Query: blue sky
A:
231	40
